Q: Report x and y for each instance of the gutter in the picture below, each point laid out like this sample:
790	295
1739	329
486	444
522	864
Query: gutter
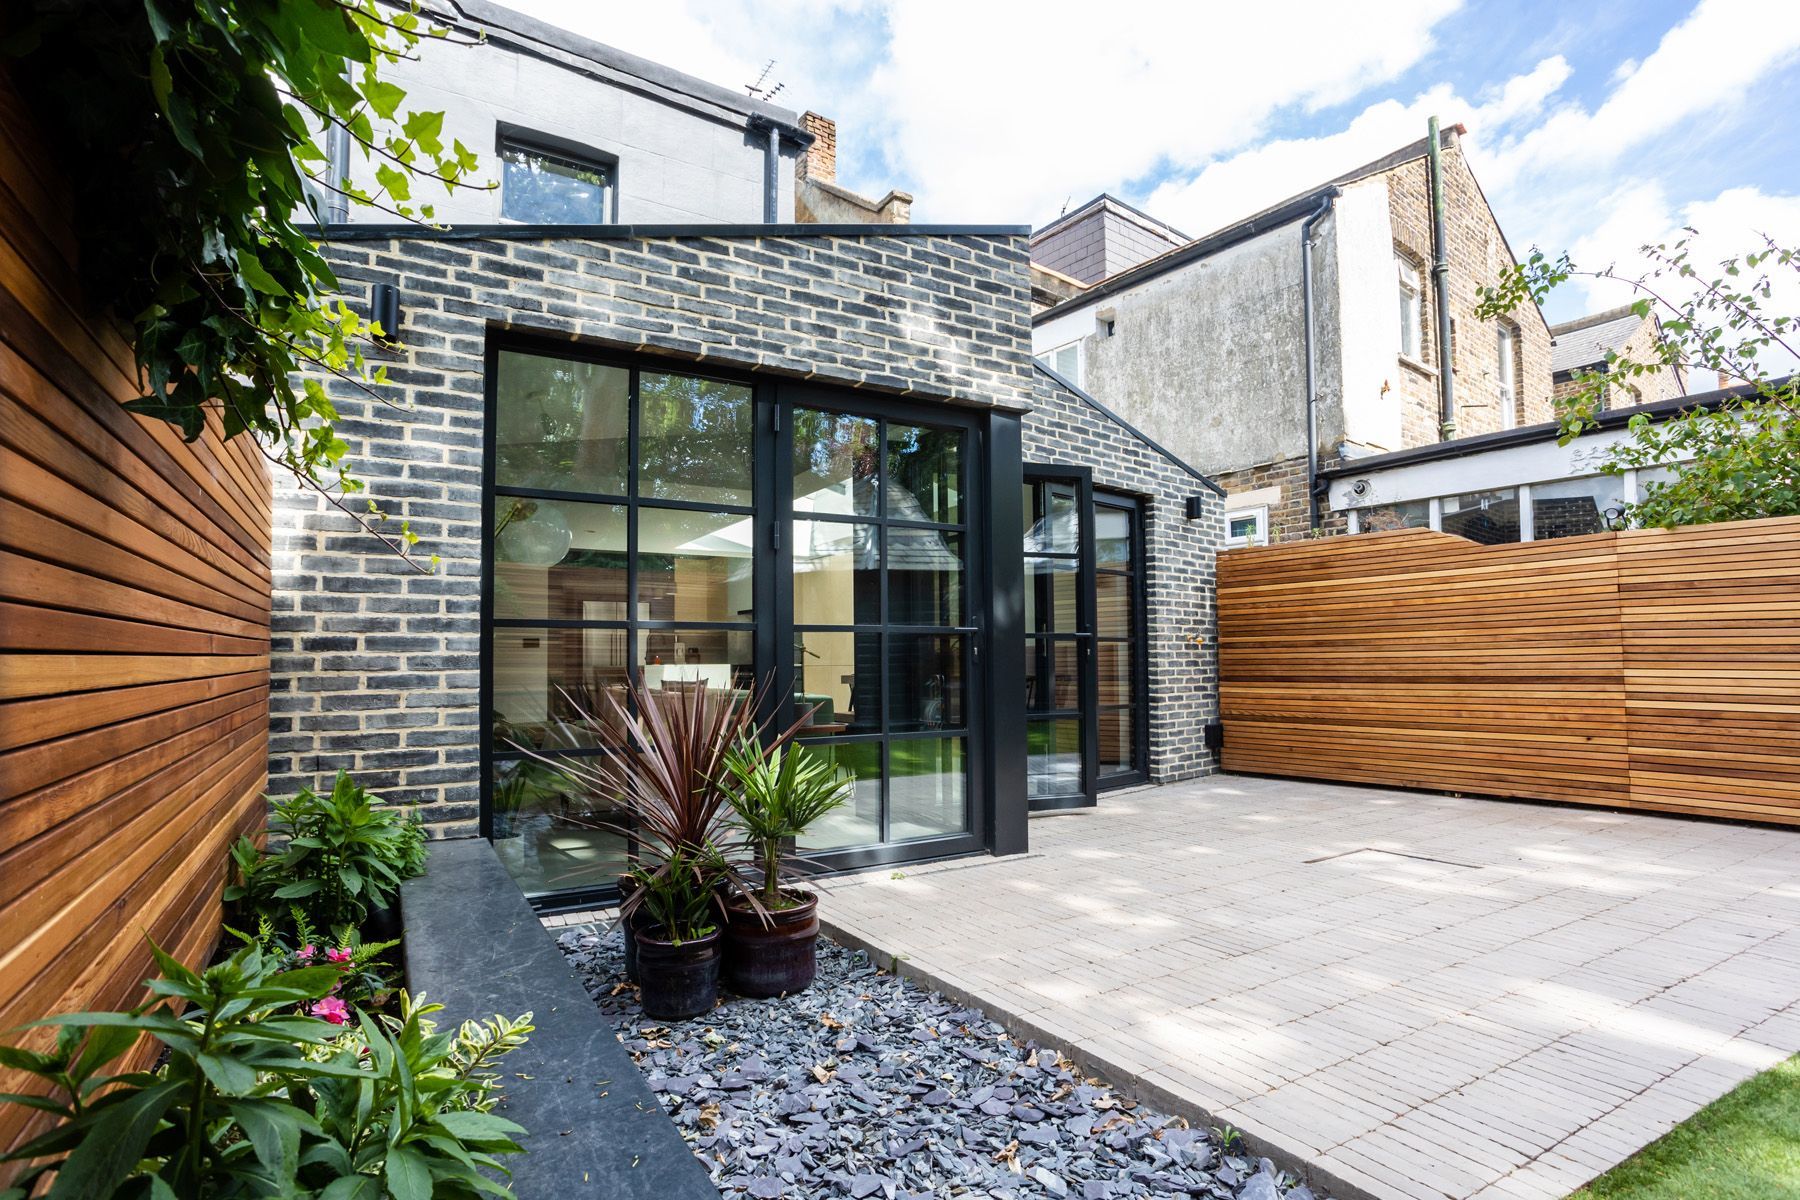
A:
1440	286
1313	482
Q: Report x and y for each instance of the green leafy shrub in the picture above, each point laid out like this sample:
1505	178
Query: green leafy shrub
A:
344	855
256	1101
364	979
679	892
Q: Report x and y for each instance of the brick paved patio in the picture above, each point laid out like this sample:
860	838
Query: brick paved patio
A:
1420	996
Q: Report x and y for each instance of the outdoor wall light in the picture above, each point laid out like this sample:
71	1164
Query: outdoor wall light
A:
384	311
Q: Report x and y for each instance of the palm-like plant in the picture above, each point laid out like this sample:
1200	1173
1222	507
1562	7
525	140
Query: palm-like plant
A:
665	772
780	791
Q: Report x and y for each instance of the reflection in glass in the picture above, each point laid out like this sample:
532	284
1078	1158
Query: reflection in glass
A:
694	566
1116	754
835	463
928	795
678	661
1572	507
924	577
1052	674
1053	758
837	573
1112	605
924	474
925	682
1055	521
1112	536
1050	593
1486	518
1385	518
545	829
857	823
1115	672
555	559
561	425
543	677
694	439
838	677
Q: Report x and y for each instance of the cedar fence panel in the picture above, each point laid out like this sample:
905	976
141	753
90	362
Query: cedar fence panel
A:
1653	669
134	642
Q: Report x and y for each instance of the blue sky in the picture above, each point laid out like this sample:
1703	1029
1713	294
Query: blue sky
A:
1593	127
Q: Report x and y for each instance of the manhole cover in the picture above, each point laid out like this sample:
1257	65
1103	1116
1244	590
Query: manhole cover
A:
1383	854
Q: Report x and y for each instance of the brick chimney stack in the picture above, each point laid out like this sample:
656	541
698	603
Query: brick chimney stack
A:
820	162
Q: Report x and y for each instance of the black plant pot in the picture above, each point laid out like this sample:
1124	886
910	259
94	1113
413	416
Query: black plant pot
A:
677	980
774	959
383	924
628	926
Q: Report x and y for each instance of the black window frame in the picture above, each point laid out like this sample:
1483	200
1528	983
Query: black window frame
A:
1084	712
566	152
1139	642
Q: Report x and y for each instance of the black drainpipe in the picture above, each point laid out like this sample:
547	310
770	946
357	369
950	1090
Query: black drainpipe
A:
1312	357
1440	288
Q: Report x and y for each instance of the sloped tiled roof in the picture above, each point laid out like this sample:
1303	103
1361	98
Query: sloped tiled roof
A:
1584	341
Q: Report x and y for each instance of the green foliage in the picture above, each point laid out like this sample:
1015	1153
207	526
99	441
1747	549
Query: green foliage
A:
364	979
195	131
255	1101
780	791
344	855
679	891
1739	461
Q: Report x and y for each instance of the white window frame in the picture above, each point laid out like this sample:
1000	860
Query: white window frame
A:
1048	357
1260	514
1505	381
1412	309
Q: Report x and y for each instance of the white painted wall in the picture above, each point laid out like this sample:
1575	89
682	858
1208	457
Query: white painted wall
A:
680	160
1367	315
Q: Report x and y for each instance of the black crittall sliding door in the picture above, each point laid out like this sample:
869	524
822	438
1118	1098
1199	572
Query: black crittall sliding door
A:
1061	771
1085	668
714	531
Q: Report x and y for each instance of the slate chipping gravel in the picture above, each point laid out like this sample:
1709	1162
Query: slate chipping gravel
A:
867	1086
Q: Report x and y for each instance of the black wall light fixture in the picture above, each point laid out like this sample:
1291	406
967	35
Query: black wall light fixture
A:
384	310
1196	507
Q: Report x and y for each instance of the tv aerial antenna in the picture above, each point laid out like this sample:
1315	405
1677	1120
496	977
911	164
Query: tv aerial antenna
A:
762	89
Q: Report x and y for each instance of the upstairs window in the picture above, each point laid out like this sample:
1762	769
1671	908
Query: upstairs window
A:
539	186
1412	313
1505	387
1065	361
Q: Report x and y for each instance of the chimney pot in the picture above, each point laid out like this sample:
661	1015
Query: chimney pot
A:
820	160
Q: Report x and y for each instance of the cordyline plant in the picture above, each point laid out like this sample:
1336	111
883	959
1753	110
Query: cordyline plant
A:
195	133
666	771
1737	461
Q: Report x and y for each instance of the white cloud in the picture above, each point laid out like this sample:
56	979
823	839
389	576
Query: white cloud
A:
1703	65
1232	188
1002	111
1728	225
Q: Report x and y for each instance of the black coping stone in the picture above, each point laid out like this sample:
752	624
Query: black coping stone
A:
593	1127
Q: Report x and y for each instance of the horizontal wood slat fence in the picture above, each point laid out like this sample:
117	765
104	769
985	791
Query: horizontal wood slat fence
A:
134	642
1650	669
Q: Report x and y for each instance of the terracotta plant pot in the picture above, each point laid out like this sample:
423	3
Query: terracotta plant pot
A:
677	980
776	959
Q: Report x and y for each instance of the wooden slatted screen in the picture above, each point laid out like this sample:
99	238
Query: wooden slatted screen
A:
134	641
1655	669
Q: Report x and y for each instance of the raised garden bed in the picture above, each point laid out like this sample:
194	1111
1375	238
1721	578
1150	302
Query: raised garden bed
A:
865	1085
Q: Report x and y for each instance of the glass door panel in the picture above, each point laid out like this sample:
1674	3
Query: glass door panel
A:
1059	689
882	642
1119	640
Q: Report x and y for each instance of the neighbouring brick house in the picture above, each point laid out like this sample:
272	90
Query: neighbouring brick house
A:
1207	347
715	454
1580	347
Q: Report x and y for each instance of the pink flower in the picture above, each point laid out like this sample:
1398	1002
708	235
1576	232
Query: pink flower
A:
332	1009
340	955
305	953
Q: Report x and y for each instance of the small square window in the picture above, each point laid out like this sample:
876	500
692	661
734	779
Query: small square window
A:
1065	361
1247	527
547	187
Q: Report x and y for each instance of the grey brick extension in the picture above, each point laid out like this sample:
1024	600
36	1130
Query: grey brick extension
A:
376	665
1068	428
